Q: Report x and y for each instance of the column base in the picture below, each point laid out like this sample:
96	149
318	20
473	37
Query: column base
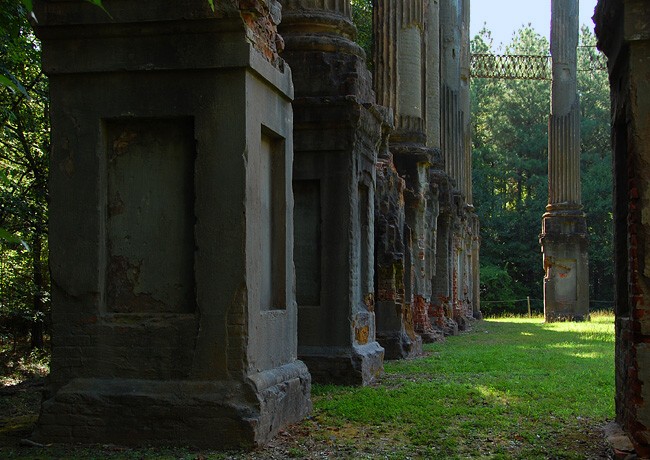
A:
448	326
566	266
202	414
557	317
398	345
357	365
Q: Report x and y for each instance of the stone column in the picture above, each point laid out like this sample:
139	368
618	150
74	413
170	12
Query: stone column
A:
171	244
476	269
338	131
471	219
456	147
564	230
400	82
465	103
433	74
451	117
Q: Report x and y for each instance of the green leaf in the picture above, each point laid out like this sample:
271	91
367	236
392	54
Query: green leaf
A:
99	4
11	238
13	85
28	5
211	3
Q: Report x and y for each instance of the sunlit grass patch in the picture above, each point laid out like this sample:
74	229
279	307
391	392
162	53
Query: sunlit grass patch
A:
513	388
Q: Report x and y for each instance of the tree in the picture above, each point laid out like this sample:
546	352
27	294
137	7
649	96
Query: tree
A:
24	154
362	18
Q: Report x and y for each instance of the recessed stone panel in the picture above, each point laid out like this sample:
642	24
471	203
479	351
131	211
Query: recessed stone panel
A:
272	222
307	234
150	215
564	275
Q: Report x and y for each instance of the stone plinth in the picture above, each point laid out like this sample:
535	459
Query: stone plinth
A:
566	284
171	244
337	133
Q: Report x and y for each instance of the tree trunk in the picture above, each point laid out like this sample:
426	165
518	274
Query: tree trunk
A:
37	322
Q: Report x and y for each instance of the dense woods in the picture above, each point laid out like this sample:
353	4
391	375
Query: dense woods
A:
24	149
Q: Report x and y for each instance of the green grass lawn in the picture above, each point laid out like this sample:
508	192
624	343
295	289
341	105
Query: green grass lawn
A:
513	388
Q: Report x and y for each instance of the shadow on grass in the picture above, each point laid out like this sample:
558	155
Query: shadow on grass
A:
510	389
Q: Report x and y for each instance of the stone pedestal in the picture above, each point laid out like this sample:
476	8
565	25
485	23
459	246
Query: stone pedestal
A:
171	244
337	134
566	284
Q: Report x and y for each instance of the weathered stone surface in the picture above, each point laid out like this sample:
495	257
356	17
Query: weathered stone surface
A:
223	414
173	218
173	309
623	34
407	65
462	297
395	331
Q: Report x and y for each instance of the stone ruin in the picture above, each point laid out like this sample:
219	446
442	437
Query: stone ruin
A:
623	30
239	206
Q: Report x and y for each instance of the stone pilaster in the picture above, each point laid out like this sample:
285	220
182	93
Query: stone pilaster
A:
564	232
171	245
338	132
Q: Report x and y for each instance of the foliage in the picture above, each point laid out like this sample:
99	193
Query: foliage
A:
24	153
510	172
362	18
499	292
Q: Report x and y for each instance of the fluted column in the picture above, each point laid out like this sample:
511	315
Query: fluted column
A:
564	233
433	74
465	105
336	6
399	62
451	116
564	126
